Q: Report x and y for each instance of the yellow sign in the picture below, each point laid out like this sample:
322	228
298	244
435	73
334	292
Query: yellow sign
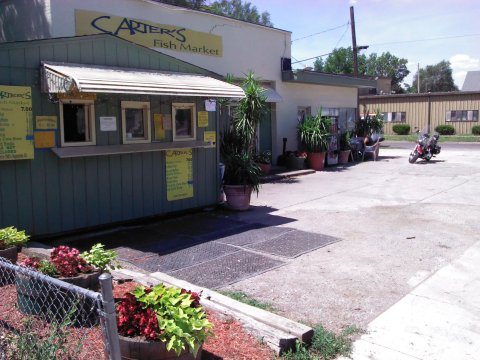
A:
179	174
45	122
210	137
202	119
44	139
149	34
16	142
159	130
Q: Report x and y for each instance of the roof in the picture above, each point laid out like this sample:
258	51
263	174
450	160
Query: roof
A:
63	77
472	81
421	95
319	78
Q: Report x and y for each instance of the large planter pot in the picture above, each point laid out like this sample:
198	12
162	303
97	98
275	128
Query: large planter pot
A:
343	156
316	161
238	196
295	163
11	254
36	296
264	168
132	349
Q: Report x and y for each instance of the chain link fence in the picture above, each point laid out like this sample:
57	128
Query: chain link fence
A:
45	318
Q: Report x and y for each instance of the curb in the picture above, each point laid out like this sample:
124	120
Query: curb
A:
279	333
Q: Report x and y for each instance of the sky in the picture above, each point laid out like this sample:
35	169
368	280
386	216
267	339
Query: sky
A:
424	32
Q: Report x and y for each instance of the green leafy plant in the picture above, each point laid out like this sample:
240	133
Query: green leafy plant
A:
445	129
401	129
100	258
241	169
167	314
476	130
47	268
314	132
345	141
369	124
265	157
10	237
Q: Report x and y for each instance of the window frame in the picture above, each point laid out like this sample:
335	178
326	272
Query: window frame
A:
460	115
193	121
147	126
89	124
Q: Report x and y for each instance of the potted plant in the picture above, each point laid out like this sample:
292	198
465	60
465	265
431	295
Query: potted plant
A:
314	134
345	151
264	161
295	160
11	242
237	147
161	322
68	265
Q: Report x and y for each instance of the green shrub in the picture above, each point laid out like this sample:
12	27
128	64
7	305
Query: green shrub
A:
401	129
476	130
445	129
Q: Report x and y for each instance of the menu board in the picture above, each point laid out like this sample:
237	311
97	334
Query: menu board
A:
16	127
179	171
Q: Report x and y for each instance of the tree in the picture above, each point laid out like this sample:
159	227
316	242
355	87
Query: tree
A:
340	61
240	10
190	4
435	78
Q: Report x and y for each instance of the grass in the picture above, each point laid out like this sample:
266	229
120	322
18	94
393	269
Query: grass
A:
246	299
443	138
325	345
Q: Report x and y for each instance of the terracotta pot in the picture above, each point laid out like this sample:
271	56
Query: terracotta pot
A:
133	348
265	168
344	156
238	196
316	161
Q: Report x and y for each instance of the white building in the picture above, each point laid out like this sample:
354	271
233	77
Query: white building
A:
216	43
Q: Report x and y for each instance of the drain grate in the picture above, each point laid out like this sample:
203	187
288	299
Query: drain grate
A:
183	258
294	243
258	234
227	269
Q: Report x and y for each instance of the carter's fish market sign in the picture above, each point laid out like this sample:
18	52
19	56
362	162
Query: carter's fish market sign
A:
148	34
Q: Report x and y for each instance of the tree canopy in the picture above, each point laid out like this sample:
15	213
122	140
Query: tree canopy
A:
434	78
340	61
236	9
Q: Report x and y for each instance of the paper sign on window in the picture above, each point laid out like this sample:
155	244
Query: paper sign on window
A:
159	130
179	171
202	119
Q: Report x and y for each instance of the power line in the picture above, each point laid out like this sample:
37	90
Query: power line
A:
321	32
427	39
299	61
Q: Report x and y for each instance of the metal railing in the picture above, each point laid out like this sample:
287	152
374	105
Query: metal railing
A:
44	318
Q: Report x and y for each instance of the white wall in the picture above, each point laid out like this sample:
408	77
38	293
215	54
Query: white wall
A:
245	46
315	96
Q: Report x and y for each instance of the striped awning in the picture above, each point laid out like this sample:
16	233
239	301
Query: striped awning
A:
65	77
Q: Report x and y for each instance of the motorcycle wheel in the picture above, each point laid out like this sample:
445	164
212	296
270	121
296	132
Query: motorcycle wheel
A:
413	157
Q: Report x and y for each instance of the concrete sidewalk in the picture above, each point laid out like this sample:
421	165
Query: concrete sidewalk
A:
438	320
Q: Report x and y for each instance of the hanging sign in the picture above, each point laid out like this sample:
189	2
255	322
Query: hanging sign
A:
210	137
16	123
179	174
108	123
158	124
149	34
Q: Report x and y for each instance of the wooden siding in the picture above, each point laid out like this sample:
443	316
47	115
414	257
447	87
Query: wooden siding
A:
416	108
49	195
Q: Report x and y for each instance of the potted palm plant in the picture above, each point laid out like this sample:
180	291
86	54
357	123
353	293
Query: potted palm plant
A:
237	147
345	150
314	134
264	161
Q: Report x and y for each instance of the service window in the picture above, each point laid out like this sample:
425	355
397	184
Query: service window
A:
77	122
136	122
184	121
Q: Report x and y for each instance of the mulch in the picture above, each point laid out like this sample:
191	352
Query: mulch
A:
230	340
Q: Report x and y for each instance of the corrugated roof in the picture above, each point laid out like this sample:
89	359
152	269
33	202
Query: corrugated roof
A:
472	81
62	77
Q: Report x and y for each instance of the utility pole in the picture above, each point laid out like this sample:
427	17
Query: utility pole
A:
418	78
354	42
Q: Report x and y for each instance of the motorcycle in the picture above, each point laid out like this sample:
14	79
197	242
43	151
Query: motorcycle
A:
426	147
